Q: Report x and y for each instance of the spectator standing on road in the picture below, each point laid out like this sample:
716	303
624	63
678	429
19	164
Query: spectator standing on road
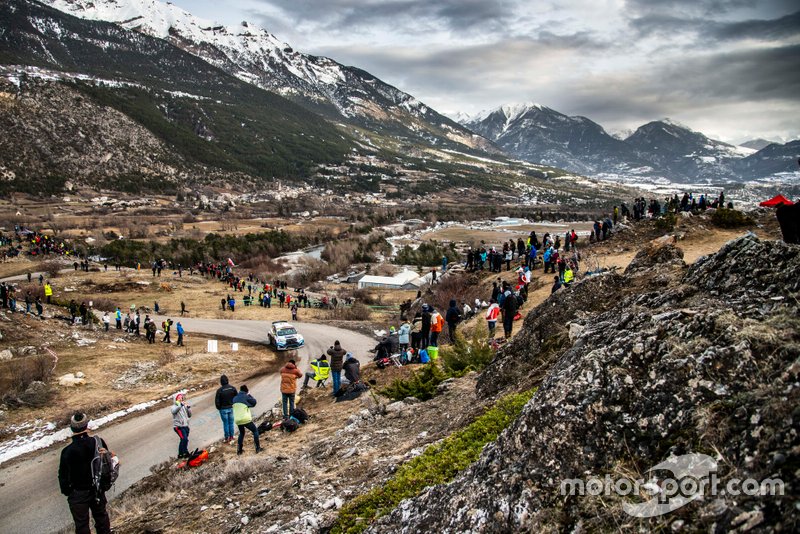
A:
106	321
181	412
243	418
75	478
336	353
224	403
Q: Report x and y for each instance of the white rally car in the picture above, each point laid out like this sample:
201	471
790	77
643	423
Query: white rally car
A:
284	336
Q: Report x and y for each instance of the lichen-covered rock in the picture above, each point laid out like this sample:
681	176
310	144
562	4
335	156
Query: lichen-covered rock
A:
708	364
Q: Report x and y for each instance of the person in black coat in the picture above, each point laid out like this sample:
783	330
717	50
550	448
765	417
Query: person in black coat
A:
425	328
452	318
224	403
509	308
75	479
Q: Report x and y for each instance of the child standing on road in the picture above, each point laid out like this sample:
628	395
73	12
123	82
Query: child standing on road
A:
181	412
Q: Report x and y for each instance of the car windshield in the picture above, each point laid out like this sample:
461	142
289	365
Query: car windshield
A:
286	331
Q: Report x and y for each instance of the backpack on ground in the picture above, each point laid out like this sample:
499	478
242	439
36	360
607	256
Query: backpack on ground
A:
290	425
300	414
383	363
105	468
265	426
197	458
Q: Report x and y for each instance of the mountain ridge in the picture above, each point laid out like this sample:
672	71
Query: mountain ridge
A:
254	55
662	148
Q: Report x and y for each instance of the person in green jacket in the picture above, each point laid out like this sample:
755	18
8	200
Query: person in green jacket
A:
243	418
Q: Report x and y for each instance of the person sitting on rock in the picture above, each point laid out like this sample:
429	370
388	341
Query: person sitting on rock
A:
352	369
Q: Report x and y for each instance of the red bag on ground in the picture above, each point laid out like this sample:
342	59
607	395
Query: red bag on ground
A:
199	459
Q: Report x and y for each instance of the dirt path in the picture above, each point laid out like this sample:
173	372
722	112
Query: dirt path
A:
30	489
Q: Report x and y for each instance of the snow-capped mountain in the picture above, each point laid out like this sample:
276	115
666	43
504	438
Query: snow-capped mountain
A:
679	151
756	144
658	149
539	134
256	56
773	159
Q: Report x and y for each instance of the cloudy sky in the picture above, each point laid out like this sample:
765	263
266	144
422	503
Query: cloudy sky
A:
729	68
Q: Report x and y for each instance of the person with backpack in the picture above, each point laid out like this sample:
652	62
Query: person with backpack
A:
224	404
181	412
167	326
79	482
289	375
336	353
320	371
243	418
150	328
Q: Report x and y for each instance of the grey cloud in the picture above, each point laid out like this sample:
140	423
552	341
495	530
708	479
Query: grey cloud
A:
760	29
764	30
345	15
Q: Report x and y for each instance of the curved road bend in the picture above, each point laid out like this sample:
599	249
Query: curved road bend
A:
30	501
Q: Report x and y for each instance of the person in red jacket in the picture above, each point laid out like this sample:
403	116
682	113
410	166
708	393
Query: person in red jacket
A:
289	375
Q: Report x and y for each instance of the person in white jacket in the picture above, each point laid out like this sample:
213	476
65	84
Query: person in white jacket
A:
181	412
491	317
403	336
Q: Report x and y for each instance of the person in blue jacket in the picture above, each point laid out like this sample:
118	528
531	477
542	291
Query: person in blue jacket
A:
179	329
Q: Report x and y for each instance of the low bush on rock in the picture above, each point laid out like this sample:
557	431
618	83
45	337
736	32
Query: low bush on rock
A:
439	464
725	218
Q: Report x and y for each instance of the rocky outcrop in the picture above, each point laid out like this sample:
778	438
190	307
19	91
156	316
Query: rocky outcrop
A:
707	364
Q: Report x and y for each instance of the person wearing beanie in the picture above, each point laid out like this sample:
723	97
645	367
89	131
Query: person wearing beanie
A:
181	412
75	478
336	354
243	417
224	403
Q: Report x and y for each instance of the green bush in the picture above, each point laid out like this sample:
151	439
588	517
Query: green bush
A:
428	254
439	464
464	356
422	384
667	222
725	218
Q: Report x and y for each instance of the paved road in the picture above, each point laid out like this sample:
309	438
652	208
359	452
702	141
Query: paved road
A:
30	501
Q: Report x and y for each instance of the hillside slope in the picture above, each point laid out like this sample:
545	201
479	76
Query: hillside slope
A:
662	362
206	116
252	54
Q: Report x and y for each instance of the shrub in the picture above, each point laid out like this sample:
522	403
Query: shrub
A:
19	373
428	254
52	268
667	222
464	356
727	218
356	312
439	464
422	384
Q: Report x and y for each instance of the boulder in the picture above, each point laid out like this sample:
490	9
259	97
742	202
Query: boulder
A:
706	363
71	380
6	355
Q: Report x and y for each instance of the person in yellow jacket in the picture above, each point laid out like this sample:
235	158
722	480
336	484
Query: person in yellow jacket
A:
243	418
320	371
48	291
569	276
